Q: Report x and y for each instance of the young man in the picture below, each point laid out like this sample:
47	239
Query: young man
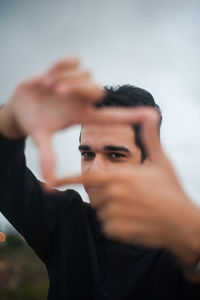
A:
63	230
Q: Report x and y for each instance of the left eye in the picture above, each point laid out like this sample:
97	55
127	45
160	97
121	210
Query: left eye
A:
116	155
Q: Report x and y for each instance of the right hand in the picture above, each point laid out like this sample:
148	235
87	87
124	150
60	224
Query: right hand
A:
42	105
62	96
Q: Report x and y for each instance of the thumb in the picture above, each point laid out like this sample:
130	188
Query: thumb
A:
43	141
96	179
151	140
149	123
147	118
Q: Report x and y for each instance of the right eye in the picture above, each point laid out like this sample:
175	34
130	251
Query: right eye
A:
87	155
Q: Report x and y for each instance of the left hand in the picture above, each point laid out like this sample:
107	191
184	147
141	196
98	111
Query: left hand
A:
147	205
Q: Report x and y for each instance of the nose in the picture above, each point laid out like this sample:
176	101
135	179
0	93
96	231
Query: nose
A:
98	164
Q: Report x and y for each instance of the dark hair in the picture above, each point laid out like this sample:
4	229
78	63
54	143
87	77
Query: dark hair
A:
130	96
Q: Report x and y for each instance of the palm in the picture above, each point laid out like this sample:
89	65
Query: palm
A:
41	108
48	113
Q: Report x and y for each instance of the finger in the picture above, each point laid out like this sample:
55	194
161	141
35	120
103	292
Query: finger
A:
147	118
66	77
83	92
133	116
70	63
86	179
150	135
151	141
33	82
63	65
122	229
47	157
115	209
132	231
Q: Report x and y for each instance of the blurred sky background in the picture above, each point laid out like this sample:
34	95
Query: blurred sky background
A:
152	44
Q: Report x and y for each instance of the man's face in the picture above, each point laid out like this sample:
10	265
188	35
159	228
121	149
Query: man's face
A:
106	148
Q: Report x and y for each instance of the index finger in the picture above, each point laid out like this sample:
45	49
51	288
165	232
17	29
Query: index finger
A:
96	179
147	118
86	179
69	63
47	156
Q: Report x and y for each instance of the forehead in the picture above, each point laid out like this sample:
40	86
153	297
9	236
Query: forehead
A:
102	135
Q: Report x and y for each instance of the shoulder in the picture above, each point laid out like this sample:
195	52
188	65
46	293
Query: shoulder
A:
72	195
73	199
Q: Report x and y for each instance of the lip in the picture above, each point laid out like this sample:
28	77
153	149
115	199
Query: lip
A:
91	188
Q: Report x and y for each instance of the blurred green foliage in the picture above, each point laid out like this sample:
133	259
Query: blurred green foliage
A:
22	275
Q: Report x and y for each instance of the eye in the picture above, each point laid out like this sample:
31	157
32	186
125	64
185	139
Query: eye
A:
87	155
115	155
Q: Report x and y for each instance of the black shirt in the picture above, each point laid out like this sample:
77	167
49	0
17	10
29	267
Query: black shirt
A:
66	235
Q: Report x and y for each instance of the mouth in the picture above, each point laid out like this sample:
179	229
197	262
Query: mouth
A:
92	188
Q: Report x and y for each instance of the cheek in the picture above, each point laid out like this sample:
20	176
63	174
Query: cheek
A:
85	166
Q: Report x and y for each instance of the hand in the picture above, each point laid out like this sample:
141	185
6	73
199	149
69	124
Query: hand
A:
147	204
42	105
62	96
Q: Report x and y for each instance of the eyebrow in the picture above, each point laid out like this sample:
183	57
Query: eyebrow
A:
116	148
106	148
84	148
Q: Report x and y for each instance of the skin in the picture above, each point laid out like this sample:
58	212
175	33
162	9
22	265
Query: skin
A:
107	148
48	102
62	96
139	203
160	214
